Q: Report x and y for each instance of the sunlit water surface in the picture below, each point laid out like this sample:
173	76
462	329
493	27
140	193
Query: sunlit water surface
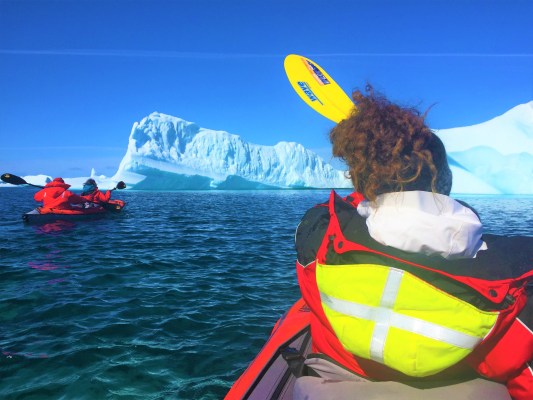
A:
169	300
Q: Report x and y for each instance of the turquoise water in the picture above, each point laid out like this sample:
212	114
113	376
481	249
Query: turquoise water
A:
169	300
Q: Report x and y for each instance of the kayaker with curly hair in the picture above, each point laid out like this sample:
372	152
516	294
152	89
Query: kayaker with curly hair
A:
401	282
390	149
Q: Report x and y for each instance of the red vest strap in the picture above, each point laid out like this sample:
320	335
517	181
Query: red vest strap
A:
495	291
501	356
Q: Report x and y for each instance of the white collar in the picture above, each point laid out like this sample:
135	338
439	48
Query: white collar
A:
423	222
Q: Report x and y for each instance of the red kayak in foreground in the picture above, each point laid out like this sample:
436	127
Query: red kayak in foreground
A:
44	215
277	372
269	376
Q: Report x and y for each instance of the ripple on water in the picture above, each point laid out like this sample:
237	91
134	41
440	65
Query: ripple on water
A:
171	299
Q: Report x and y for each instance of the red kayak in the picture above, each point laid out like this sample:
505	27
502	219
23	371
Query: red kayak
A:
44	214
269	376
273	373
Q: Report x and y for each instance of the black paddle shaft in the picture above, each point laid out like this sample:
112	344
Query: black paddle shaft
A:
16	180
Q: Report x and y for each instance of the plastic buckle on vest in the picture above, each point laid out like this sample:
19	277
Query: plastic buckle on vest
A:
295	360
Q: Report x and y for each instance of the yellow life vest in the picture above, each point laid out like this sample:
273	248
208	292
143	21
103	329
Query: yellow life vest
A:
391	316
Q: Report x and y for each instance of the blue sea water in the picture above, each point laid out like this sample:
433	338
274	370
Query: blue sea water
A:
171	299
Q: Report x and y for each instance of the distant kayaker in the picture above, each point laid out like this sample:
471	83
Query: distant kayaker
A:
55	194
91	193
401	282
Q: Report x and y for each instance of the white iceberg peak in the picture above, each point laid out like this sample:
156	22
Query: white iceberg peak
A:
495	156
165	152
189	154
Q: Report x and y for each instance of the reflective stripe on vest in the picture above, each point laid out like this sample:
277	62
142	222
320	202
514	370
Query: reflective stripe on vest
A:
393	317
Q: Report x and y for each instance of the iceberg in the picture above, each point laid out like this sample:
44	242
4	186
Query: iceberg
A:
493	157
168	153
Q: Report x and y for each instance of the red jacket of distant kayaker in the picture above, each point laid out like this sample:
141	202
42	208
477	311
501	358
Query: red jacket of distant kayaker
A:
98	197
499	273
55	195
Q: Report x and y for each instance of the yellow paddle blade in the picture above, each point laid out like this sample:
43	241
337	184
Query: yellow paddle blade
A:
317	88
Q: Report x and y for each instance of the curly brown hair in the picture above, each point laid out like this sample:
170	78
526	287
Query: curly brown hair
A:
389	148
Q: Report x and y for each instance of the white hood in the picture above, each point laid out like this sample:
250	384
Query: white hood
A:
424	222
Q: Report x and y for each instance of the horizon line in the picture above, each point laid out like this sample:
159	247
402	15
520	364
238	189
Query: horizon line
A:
178	54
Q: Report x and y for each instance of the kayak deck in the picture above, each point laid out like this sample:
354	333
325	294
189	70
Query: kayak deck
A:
276	380
273	373
35	216
45	215
269	376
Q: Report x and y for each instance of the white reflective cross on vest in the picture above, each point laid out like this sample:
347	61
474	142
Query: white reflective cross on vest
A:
385	317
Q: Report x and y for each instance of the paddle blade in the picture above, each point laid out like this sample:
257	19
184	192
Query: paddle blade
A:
13	179
317	88
121	185
114	205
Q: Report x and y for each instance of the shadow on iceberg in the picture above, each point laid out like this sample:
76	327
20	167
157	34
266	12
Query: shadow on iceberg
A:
162	180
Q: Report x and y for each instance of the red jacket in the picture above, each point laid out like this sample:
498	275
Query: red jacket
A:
98	197
56	195
502	357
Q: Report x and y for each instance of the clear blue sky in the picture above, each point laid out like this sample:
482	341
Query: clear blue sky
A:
76	74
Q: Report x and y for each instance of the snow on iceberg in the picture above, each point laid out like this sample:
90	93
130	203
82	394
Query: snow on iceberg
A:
166	152
494	157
